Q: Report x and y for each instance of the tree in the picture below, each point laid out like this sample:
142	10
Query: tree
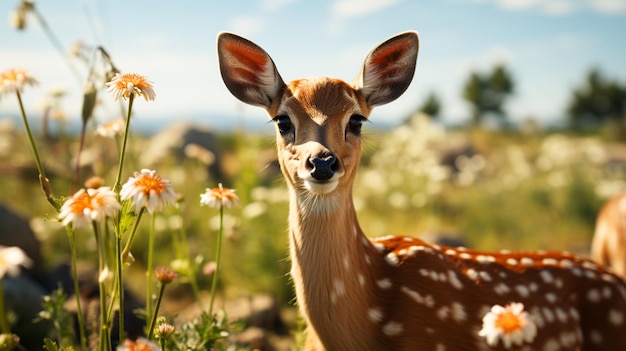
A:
488	93
431	106
598	101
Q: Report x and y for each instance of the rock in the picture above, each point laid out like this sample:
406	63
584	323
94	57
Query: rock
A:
183	141
15	231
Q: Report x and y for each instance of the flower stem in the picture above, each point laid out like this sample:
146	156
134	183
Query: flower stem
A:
118	185
45	184
4	327
105	330
156	311
129	242
79	312
217	259
149	270
120	284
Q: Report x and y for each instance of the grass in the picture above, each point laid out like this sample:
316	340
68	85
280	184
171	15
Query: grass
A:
517	192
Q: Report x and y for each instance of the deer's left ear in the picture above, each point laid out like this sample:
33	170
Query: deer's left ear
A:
388	69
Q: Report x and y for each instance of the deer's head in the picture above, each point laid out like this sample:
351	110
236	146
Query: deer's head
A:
318	121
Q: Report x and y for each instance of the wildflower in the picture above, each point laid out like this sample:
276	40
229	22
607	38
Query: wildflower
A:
89	205
15	79
11	258
218	197
209	268
106	275
163	330
510	323
164	275
94	182
146	189
141	344
122	85
9	341
111	129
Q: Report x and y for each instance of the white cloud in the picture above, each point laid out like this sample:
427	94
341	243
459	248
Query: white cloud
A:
355	8
343	10
609	6
558	7
247	24
275	5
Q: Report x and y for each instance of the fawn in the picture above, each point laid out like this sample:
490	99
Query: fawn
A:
400	293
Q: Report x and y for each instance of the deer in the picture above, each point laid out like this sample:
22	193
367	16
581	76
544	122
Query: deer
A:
399	292
608	245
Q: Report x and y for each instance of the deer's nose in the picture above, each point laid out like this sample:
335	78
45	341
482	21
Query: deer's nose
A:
323	166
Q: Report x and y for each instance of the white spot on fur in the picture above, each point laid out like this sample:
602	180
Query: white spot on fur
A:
392	259
443	312
458	312
380	247
501	289
511	261
547	277
522	290
471	273
454	280
551	345
590	265
606	292
427	300
616	317
485	259
593	295
590	274
561	315
551	297
392	328
465	256
596	337
384	283
548	314
375	315
526	261
484	276
573	312
548	261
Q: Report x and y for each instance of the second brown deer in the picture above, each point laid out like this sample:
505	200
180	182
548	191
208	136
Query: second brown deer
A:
609	239
400	293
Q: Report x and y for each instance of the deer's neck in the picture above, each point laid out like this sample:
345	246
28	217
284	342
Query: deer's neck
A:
333	267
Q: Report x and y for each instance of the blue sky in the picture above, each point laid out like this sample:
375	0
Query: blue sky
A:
548	45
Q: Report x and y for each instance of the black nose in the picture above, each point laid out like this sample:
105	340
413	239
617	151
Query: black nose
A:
322	167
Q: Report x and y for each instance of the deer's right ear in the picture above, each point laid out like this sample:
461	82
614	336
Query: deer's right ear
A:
388	69
248	71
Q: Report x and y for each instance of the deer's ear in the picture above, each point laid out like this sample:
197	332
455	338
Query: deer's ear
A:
248	71
388	69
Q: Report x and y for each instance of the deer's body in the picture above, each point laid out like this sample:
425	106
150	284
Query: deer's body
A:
609	239
400	293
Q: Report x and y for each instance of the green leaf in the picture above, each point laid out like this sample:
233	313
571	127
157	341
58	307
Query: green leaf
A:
50	345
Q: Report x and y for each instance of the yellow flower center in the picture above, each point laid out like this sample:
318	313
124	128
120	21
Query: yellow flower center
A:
82	202
131	80
508	322
149	184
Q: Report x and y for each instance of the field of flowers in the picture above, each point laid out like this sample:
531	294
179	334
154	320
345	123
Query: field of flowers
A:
489	189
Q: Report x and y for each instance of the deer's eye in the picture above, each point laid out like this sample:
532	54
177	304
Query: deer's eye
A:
284	125
354	125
